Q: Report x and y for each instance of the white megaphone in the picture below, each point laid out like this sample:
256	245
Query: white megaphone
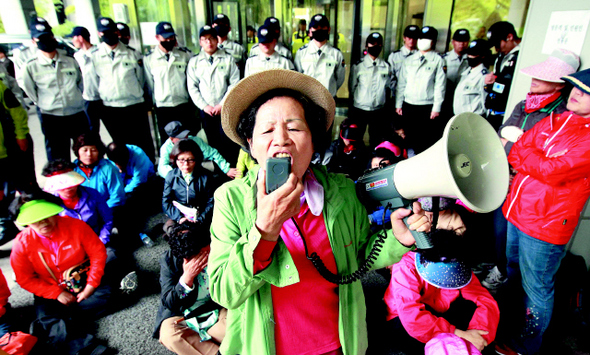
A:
467	163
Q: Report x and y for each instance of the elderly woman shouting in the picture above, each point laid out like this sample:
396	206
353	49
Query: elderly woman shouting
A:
277	300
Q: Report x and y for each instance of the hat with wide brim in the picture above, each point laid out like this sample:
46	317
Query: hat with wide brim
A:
63	181
580	80
447	275
561	63
253	86
35	211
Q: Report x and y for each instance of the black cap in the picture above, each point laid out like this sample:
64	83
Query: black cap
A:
273	24
500	31
165	29
428	32
221	20
319	20
479	47
350	130
3	49
412	31
266	34
461	35
375	38
40	27
207	30
104	24
175	129
123	29
580	80
79	31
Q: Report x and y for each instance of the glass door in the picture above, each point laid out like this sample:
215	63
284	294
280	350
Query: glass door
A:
230	9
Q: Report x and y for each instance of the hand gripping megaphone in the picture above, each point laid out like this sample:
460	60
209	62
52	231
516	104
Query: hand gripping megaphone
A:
467	163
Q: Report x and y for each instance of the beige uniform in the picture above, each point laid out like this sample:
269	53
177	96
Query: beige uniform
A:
54	85
369	83
395	61
261	62
166	78
235	50
325	64
116	76
470	95
455	65
422	81
209	82
280	48
11	83
83	57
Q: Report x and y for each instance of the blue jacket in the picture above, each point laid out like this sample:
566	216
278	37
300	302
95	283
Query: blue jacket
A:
198	194
139	169
105	179
93	210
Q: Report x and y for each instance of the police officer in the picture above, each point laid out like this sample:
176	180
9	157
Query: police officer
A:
22	54
54	82
456	59
124	33
503	37
267	57
420	92
369	84
222	26
273	24
92	105
117	76
210	76
319	59
396	58
470	93
165	73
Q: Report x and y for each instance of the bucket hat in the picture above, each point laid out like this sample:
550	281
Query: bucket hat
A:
62	181
559	64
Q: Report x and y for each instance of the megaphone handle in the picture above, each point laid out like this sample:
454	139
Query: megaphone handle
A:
422	239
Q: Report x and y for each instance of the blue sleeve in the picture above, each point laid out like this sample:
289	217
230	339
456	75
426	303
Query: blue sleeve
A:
106	214
139	166
114	184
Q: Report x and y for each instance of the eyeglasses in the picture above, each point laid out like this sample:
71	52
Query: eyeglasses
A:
185	161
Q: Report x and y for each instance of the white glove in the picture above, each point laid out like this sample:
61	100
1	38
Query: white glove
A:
511	133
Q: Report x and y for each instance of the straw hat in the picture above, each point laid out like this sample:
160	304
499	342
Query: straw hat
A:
35	211
560	63
253	86
63	181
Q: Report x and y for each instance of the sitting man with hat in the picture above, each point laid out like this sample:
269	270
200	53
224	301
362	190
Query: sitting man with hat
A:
266	56
543	208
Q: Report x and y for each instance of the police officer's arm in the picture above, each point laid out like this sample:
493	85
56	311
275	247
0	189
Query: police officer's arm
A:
353	81
79	77
247	67
481	98
340	70
234	77
192	81
91	81
401	87
440	84
29	85
149	78
393	77
297	61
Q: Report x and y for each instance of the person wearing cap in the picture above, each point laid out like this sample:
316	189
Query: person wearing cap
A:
251	38
53	81
396	58
49	245
117	77
6	62
222	26
124	33
210	76
135	167
257	264
543	207
347	154
456	59
273	25
267	57
369	83
175	132
420	294
165	73
300	37
420	92
319	59
470	94
92	105
502	36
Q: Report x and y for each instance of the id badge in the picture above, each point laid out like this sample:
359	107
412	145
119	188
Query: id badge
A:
499	88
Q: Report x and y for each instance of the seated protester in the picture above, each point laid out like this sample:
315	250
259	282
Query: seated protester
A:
188	321
176	132
135	166
6	318
50	245
423	301
188	184
101	174
245	163
80	202
347	154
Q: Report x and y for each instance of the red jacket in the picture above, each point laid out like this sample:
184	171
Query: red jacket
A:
75	241
548	194
4	294
408	293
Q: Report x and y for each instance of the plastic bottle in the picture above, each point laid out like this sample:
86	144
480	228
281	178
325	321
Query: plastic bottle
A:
147	241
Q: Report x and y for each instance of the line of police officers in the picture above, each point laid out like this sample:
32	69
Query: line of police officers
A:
112	82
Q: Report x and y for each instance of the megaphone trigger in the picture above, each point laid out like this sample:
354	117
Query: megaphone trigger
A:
423	240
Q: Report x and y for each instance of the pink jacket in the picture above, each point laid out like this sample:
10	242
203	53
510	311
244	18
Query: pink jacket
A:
408	293
75	241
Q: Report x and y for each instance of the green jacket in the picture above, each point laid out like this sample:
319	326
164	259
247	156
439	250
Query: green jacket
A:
250	327
12	109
